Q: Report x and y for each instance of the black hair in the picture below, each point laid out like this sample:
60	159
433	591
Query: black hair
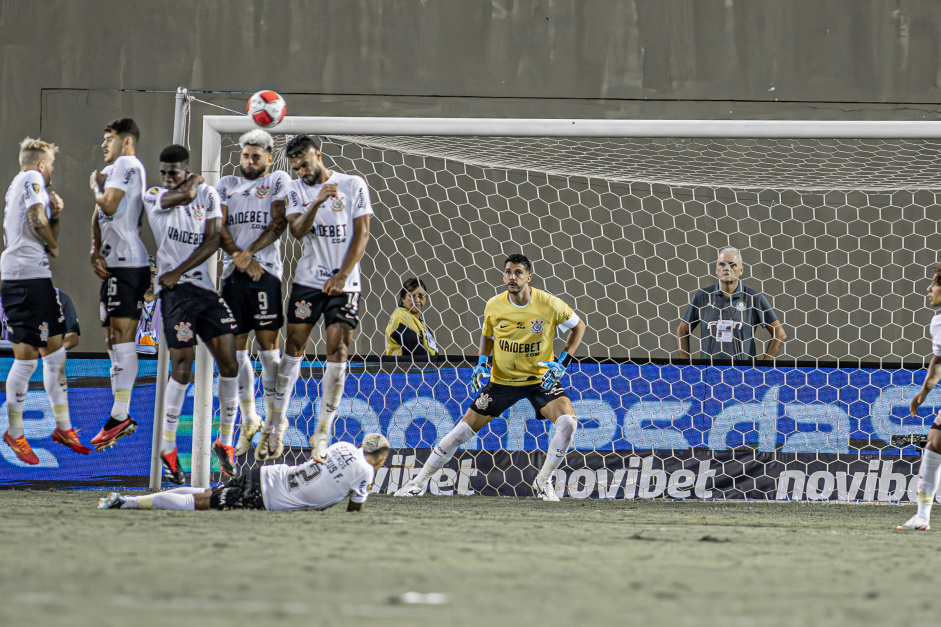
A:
522	259
409	286
124	127
175	154
300	145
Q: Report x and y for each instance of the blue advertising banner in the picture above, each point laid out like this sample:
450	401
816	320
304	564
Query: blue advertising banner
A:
626	408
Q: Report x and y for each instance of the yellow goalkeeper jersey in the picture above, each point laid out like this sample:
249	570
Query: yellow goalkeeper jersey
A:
523	335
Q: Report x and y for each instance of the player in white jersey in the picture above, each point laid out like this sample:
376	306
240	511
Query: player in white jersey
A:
186	220
253	217
34	315
119	259
929	474
347	471
330	213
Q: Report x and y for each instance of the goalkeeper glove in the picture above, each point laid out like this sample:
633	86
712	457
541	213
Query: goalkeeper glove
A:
482	370
555	370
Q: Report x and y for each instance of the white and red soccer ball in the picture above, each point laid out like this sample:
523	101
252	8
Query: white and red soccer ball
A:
266	108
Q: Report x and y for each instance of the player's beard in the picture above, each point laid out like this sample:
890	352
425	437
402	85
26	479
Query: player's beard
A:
312	179
256	174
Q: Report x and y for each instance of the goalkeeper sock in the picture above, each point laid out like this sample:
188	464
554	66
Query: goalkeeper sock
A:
166	500
288	372
270	361
559	444
461	433
17	384
146	502
246	379
172	404
928	475
53	379
331	391
123	373
228	408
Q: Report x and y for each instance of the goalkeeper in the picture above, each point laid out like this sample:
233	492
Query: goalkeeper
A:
519	327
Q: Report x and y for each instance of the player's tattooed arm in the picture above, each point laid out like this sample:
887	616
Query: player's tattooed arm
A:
39	224
108	199
97	261
205	250
184	194
336	283
301	223
269	236
934	375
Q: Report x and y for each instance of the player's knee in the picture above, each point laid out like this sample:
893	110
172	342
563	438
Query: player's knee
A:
566	425
463	432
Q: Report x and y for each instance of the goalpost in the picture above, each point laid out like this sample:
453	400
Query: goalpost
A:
623	219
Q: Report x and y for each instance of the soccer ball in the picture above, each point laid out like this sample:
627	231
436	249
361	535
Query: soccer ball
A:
266	108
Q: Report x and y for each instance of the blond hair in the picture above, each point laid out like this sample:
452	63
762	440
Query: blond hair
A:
33	150
375	443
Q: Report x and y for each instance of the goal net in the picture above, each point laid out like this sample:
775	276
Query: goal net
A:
623	221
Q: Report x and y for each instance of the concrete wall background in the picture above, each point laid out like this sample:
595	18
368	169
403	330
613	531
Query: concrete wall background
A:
66	68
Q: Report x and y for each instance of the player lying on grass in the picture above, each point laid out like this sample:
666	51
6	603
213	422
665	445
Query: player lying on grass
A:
930	472
519	328
347	471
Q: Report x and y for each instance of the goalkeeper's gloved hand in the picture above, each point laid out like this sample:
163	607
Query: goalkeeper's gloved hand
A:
555	370
482	370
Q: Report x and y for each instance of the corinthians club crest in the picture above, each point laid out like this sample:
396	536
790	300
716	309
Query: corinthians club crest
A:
482	401
184	332
302	310
261	192
337	203
537	326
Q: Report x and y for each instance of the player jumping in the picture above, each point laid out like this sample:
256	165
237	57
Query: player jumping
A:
330	212
253	218
930	472
347	471
186	220
519	327
34	314
119	258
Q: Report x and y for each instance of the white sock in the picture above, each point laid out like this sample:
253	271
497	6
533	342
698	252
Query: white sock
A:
124	372
130	502
928	475
288	372
228	408
111	372
331	391
53	379
560	443
147	502
172	404
246	387
461	433
167	500
17	384
270	361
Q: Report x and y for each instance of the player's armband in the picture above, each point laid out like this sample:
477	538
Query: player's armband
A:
570	323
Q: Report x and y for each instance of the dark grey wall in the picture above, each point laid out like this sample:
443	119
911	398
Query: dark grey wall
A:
838	59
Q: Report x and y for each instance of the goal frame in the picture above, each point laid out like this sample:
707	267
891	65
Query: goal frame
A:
214	126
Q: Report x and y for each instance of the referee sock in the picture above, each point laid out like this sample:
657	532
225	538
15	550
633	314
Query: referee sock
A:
53	379
331	391
17	384
228	408
461	433
270	361
288	372
928	475
124	372
559	445
246	381
172	404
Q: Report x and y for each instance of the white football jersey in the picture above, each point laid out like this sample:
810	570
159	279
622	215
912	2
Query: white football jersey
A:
345	473
327	242
935	329
179	231
248	205
24	256
121	245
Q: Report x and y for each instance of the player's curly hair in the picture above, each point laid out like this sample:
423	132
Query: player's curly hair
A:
521	259
409	286
257	137
174	154
300	145
33	150
937	273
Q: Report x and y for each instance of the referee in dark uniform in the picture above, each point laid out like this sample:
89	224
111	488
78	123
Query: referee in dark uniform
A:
728	313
